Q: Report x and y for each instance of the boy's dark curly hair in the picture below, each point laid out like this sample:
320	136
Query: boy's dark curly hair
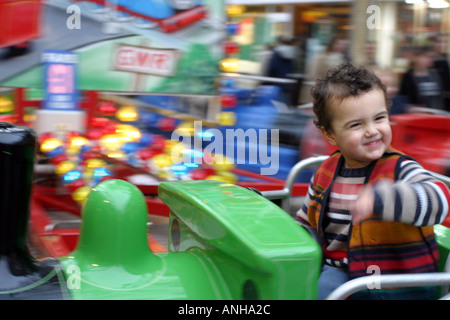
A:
339	83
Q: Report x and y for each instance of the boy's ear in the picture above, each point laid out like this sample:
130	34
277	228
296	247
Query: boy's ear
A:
328	136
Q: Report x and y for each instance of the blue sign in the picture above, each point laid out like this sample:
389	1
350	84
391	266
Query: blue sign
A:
60	80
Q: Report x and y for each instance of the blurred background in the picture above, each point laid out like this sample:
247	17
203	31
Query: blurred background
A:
381	34
230	64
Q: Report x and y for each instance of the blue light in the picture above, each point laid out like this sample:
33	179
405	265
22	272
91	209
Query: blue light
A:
85	148
193	153
179	169
146	138
101	172
207	135
71	176
55	152
130	147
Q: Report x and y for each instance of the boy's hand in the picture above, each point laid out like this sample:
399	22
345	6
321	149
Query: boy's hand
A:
363	205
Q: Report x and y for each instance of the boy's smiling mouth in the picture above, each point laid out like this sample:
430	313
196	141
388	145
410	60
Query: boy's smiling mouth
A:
373	142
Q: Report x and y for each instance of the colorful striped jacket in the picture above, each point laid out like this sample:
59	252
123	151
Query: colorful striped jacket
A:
390	246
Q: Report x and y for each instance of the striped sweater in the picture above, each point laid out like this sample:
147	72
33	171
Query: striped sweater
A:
398	237
336	224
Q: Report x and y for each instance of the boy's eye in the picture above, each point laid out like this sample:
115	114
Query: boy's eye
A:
355	125
381	116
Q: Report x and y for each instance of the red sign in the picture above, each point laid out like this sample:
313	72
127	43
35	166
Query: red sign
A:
160	62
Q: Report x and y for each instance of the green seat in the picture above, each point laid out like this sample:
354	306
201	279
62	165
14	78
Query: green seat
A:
225	242
443	240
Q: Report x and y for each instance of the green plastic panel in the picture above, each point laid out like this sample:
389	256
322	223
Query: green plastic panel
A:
443	239
226	242
240	230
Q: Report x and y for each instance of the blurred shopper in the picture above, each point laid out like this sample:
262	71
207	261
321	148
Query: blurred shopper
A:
398	102
264	57
370	49
334	55
282	63
421	84
442	66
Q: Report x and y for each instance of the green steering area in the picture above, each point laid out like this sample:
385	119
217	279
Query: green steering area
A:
225	242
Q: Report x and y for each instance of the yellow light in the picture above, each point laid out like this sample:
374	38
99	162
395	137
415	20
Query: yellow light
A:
78	141
228	177
75	143
235	10
6	105
64	166
170	145
116	154
127	113
111	141
230	65
227	118
81	194
94	163
128	132
29	117
222	163
185	128
161	161
312	15
50	144
176	150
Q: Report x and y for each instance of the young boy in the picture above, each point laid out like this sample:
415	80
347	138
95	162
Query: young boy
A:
372	206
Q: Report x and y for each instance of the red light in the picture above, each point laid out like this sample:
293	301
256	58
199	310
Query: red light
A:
231	47
107	108
229	101
166	124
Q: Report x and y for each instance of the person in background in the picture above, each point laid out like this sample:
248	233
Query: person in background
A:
334	55
421	84
371	206
399	103
442	66
370	49
282	63
264	57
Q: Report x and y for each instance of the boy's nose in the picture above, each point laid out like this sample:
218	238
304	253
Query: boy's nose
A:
371	130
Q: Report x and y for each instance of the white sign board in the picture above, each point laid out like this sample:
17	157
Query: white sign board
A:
154	61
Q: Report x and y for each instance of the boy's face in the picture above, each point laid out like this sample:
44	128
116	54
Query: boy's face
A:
360	128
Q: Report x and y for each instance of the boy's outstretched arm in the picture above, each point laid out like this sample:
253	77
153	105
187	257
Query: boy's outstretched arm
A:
417	198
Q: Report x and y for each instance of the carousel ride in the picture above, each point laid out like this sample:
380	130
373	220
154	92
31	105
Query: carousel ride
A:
215	251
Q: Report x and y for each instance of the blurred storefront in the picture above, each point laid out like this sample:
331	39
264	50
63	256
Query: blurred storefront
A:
379	31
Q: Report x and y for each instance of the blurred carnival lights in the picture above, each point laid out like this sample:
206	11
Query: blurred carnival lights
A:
78	159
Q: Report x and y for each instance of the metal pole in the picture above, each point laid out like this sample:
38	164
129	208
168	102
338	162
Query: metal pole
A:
286	192
387	281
